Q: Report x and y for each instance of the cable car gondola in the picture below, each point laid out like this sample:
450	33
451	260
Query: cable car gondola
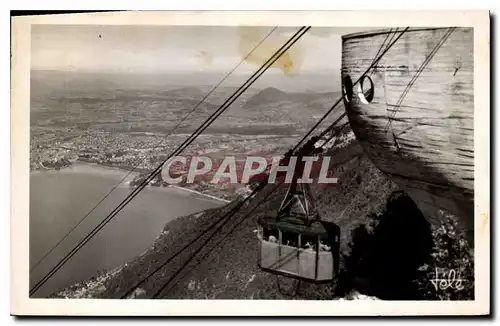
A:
296	243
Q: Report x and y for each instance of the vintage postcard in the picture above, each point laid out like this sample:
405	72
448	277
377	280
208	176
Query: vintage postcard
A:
251	163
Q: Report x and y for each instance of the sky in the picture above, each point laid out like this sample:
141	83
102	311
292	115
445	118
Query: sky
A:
172	48
184	49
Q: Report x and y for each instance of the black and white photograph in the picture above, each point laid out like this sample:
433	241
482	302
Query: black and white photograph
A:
251	161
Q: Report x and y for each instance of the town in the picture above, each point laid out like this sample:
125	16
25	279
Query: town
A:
143	152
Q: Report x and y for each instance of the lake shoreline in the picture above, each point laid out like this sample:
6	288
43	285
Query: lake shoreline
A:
118	173
199	193
60	199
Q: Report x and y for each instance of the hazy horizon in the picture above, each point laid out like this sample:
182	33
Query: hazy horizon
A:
192	55
316	82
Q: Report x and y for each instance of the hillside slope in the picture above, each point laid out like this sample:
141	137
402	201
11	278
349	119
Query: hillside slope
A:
384	264
230	270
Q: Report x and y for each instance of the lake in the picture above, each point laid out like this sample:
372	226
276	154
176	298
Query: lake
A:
59	199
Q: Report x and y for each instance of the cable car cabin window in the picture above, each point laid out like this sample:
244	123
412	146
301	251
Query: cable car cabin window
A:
309	243
289	239
325	244
270	235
